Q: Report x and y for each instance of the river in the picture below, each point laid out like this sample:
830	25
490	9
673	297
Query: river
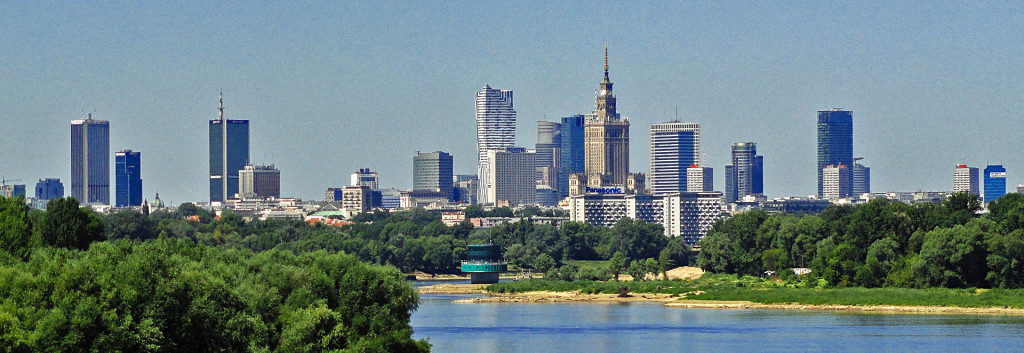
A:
650	327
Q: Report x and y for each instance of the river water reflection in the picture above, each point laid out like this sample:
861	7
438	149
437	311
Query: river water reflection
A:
649	327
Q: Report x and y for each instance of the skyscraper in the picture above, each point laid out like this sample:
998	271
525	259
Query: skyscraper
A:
229	153
861	178
549	152
965	179
835	181
259	181
675	146
607	136
573	151
433	171
495	128
746	174
995	182
128	176
835	142
699	179
365	177
512	177
49	188
90	160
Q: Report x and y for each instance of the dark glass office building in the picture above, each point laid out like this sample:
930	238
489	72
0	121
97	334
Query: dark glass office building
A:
229	153
573	153
746	174
90	161
835	142
49	188
995	182
433	172
128	178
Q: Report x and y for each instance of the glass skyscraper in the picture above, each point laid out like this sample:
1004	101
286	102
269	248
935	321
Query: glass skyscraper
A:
995	182
90	161
495	128
675	146
433	171
128	178
746	174
835	143
573	153
229	153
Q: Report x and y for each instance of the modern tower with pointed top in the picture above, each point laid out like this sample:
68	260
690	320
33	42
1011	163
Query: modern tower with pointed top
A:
229	153
90	161
606	136
495	130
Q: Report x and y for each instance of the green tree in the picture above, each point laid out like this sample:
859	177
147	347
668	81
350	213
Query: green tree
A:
543	263
1006	259
664	262
15	227
774	259
129	224
67	225
615	265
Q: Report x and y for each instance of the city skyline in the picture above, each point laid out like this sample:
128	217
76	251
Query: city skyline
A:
349	74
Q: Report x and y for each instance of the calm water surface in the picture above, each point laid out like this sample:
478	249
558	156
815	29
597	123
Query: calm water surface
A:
647	327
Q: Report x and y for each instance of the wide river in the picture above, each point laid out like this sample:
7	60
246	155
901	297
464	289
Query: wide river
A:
649	327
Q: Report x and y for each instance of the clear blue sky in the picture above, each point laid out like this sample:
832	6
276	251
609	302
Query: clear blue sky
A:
331	87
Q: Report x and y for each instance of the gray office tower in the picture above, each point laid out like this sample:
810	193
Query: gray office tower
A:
90	161
573	154
549	154
433	172
746	174
229	153
861	178
835	143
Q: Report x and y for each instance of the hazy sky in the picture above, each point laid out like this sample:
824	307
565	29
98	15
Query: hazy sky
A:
332	87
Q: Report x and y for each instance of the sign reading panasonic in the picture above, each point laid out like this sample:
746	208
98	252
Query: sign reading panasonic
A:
997	175
605	190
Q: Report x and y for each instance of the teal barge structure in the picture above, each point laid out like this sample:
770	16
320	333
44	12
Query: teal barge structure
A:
484	263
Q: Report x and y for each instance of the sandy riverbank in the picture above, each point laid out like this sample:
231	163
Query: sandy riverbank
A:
542	297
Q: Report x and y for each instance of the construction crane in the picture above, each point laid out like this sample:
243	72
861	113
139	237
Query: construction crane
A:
3	181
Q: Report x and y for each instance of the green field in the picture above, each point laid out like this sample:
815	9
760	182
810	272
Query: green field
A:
769	291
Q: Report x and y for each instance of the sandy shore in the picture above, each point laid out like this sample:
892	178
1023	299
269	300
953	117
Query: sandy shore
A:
542	297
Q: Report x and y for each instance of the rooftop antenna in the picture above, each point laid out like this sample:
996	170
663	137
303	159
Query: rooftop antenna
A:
677	118
221	109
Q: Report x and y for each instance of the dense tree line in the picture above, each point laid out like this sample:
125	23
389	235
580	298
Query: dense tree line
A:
881	243
64	289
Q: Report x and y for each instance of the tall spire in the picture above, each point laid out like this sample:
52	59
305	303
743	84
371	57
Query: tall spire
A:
221	105
606	62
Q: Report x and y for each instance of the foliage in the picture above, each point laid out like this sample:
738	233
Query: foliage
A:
67	225
880	244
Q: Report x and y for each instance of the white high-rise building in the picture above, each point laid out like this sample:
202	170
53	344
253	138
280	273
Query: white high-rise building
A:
835	181
364	177
495	130
965	179
691	214
675	146
511	177
699	179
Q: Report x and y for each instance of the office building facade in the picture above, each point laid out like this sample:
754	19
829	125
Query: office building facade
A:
995	182
861	179
746	174
835	143
433	171
690	215
835	182
675	146
49	188
700	179
12	190
511	174
606	136
965	179
573	151
495	129
549	153
90	161
128	178
259	182
365	177
229	153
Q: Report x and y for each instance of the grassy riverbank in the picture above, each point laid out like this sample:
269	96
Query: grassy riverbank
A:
770	291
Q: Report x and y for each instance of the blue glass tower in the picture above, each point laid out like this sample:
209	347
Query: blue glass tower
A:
835	143
573	153
90	161
49	188
995	182
229	153
128	178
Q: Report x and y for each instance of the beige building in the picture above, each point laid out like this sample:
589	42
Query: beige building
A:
259	181
606	136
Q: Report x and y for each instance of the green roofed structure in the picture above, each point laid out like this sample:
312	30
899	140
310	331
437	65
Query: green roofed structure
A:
484	263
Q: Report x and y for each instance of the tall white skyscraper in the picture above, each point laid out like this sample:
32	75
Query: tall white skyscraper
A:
495	129
674	147
966	179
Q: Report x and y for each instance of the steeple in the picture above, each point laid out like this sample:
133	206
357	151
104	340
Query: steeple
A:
221	106
606	62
